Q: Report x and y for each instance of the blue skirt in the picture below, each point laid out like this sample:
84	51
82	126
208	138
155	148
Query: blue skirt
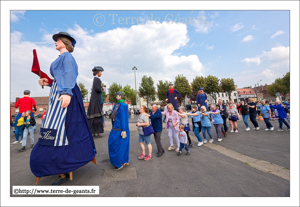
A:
66	143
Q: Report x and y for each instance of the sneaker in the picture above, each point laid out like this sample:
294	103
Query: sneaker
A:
247	129
142	157
257	128
178	153
21	141
171	148
15	142
220	140
236	131
267	129
272	128
205	141
231	131
187	153
280	130
190	145
61	180
200	144
288	130
211	140
148	158
116	168
22	149
31	145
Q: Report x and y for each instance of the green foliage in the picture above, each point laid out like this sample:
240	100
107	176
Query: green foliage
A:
83	90
281	85
147	89
129	93
212	86
162	88
104	93
114	88
199	82
273	89
227	85
182	85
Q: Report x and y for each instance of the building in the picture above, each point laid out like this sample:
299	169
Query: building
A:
245	93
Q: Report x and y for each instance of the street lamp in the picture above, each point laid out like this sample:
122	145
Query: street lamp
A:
134	68
257	88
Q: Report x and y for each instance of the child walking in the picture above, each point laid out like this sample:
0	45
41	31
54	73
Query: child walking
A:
184	120
183	141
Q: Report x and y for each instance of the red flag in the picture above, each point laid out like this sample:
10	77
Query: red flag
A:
36	68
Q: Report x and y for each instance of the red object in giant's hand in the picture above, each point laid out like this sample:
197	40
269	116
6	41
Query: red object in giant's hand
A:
36	68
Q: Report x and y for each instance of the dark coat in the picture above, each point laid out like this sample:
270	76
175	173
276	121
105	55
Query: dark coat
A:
156	121
32	122
171	98
94	113
223	113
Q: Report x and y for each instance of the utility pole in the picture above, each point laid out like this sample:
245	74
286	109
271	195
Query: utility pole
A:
134	68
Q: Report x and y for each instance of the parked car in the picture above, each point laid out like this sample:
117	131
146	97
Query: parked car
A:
38	116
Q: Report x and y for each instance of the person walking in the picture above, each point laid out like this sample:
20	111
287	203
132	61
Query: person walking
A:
265	111
245	114
44	113
172	96
183	141
253	113
156	121
223	114
28	125
206	125
217	121
173	126
233	115
184	120
143	121
19	129
95	113
281	115
196	119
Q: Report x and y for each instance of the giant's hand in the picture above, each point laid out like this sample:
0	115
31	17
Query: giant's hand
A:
43	82
123	134
66	100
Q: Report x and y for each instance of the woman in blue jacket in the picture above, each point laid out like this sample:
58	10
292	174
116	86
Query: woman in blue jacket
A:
281	115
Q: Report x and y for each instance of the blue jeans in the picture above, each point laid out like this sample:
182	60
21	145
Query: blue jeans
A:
182	145
245	119
165	118
268	124
283	121
143	138
18	131
31	131
224	123
204	128
196	132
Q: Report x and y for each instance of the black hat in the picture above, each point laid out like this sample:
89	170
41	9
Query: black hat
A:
98	68
64	34
26	92
120	93
171	84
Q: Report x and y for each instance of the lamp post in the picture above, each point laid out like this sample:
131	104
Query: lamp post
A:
134	68
257	88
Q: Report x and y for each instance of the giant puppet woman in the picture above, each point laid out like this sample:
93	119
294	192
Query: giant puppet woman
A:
119	136
65	142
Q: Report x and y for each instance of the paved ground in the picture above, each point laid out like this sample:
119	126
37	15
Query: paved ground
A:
208	171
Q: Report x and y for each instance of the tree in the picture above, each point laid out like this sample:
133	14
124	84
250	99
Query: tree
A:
199	82
212	86
147	89
162	88
129	93
114	88
182	85
83	91
273	89
227	85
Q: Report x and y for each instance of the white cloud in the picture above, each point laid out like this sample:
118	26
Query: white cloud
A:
253	27
277	33
210	47
149	47
204	26
236	27
16	15
255	60
248	38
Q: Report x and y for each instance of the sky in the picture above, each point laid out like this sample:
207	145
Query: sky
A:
247	46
